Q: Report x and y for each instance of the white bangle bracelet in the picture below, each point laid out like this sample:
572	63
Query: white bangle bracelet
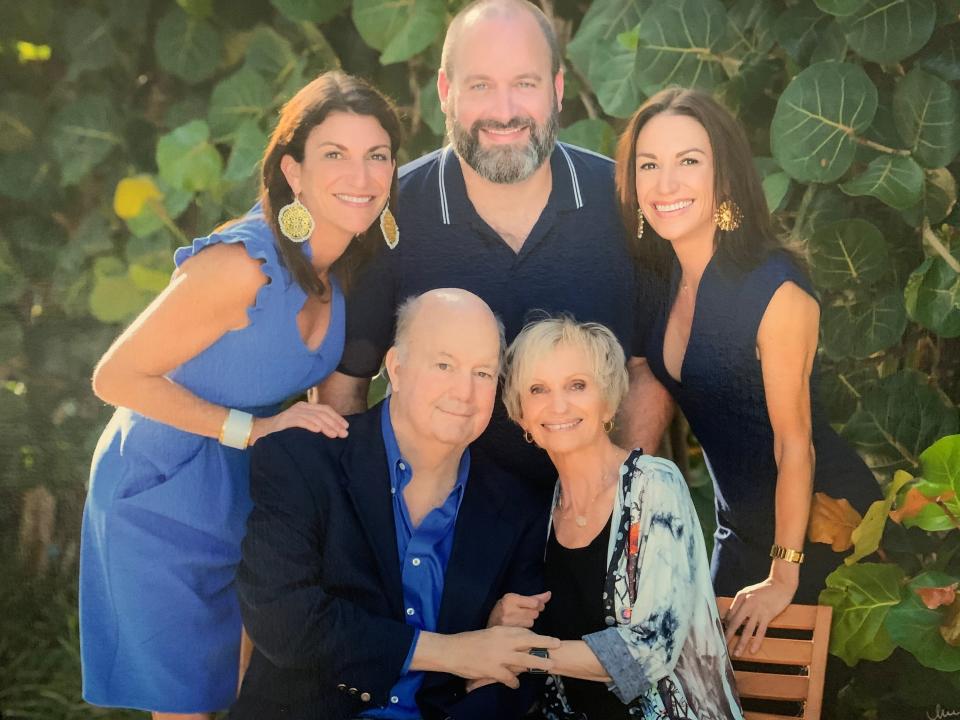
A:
236	429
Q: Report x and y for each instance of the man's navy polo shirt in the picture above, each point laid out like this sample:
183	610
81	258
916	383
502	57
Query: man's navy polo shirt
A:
575	260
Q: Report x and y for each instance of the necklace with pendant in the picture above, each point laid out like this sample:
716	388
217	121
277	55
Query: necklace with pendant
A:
581	520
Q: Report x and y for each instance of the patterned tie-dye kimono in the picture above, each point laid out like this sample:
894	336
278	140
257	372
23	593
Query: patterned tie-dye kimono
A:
664	648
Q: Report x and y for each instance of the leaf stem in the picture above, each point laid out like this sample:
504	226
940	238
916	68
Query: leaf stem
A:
931	237
878	147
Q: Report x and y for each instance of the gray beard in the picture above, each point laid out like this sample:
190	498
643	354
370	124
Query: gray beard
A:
504	164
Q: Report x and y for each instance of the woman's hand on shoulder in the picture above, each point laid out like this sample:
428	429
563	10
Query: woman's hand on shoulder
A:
310	416
515	610
753	608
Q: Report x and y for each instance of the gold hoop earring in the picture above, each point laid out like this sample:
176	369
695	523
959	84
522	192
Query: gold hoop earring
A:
640	224
608	426
389	228
728	216
295	221
528	437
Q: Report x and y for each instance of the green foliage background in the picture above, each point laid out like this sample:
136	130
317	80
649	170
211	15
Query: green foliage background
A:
852	108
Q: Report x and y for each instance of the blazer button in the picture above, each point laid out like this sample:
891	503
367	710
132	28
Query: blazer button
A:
341	687
353	691
365	697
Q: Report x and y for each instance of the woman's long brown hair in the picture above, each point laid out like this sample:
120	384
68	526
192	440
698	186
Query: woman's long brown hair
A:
734	178
333	91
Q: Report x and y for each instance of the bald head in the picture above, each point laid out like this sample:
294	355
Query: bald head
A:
424	313
444	367
481	10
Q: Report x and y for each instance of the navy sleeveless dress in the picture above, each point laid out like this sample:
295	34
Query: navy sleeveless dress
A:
166	509
721	393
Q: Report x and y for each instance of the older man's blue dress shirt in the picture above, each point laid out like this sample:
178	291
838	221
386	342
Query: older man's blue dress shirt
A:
424	551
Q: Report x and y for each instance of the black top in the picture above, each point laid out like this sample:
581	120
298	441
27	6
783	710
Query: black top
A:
576	578
722	395
576	260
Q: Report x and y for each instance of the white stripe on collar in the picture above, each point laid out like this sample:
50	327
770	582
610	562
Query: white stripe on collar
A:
444	208
578	198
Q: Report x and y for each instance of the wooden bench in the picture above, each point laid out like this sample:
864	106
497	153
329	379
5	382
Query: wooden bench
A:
785	670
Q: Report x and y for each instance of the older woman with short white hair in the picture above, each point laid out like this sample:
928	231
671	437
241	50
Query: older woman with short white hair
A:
625	560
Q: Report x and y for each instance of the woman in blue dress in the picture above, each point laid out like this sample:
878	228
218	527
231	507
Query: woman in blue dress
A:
736	347
253	314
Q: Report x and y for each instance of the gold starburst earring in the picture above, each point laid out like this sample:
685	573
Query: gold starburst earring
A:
728	216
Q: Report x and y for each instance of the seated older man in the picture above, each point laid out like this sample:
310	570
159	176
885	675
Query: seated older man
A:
371	563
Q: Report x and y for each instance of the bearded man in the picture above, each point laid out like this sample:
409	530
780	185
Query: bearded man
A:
505	211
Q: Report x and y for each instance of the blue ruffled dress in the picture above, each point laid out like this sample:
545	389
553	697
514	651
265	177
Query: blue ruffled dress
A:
166	509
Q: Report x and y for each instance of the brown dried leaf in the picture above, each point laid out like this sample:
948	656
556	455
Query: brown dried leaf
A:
913	503
934	597
832	521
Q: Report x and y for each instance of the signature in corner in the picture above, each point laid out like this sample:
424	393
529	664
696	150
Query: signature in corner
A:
941	713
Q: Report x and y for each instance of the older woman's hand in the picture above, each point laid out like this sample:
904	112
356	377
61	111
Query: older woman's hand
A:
753	608
515	610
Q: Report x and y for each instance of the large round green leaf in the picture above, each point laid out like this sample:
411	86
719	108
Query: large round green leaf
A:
399	30
430	111
678	42
861	328
887	31
893	179
799	30
832	45
942	55
840	8
917	629
821	205
775	188
862	596
617	83
901	416
241	98
933	297
187	47
270	54
846	252
249	143
115	297
816	115
926	111
940	468
316	11
596	37
937	200
186	158
82	134
87	39
750	28
593	134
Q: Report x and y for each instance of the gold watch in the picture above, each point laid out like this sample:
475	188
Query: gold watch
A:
779	552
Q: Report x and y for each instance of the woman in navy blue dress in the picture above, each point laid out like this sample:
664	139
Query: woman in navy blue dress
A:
254	314
736	347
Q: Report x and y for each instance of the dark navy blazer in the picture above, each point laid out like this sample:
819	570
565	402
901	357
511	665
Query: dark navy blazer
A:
320	588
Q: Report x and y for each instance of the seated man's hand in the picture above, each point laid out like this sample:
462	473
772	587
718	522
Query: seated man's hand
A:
515	610
499	654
